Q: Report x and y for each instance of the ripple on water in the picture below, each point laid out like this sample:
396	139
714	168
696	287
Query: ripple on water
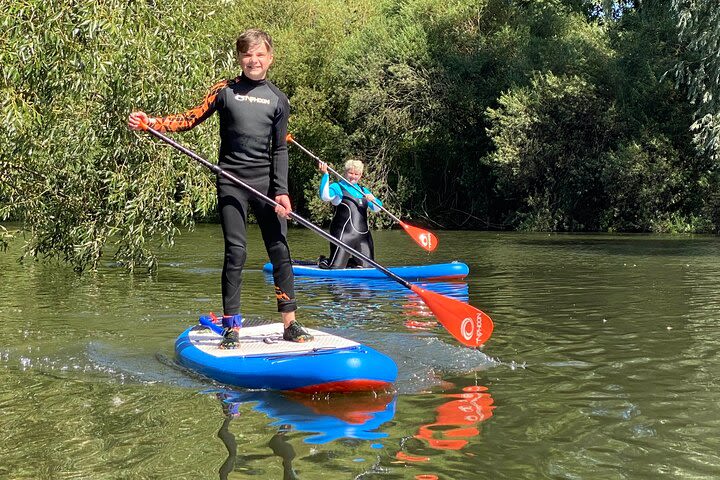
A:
603	363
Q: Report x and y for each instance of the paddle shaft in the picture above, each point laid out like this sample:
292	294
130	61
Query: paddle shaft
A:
330	169
219	171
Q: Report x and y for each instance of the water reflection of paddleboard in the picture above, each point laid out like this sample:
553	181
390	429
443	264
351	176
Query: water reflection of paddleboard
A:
329	363
437	271
330	418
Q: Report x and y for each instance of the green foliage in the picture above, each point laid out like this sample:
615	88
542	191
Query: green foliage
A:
609	151
72	172
643	184
550	137
699	25
537	114
418	79
658	118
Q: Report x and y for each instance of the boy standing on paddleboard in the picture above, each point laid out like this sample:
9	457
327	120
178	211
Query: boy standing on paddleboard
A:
253	128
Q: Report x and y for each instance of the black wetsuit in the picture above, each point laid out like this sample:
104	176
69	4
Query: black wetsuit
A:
253	126
349	224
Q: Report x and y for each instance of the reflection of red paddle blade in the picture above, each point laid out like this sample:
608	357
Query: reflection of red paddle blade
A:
472	406
425	239
410	458
420	325
471	326
457	421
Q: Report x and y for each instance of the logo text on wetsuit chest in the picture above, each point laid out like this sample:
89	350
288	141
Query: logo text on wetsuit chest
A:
248	98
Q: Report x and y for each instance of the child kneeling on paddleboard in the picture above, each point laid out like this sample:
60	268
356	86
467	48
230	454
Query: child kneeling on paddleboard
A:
350	221
253	128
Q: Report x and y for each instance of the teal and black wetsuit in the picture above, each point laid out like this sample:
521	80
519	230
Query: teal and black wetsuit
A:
349	223
253	126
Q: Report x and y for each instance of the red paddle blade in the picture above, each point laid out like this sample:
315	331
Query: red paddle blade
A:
469	325
425	239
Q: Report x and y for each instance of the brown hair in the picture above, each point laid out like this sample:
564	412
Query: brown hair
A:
250	38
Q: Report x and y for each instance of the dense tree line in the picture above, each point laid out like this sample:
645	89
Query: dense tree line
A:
553	115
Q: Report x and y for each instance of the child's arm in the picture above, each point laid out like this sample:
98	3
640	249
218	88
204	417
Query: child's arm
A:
373	203
190	118
327	192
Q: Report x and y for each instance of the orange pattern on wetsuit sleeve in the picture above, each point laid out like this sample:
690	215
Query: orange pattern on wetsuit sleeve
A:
190	118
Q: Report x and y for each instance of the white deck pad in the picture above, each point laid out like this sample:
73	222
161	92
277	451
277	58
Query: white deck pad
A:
266	340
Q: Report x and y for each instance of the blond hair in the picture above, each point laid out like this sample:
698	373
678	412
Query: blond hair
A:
354	164
250	38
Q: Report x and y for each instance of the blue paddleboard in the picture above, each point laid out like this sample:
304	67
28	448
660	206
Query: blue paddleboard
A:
329	363
440	271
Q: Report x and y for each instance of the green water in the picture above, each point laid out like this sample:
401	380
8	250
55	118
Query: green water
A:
604	364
